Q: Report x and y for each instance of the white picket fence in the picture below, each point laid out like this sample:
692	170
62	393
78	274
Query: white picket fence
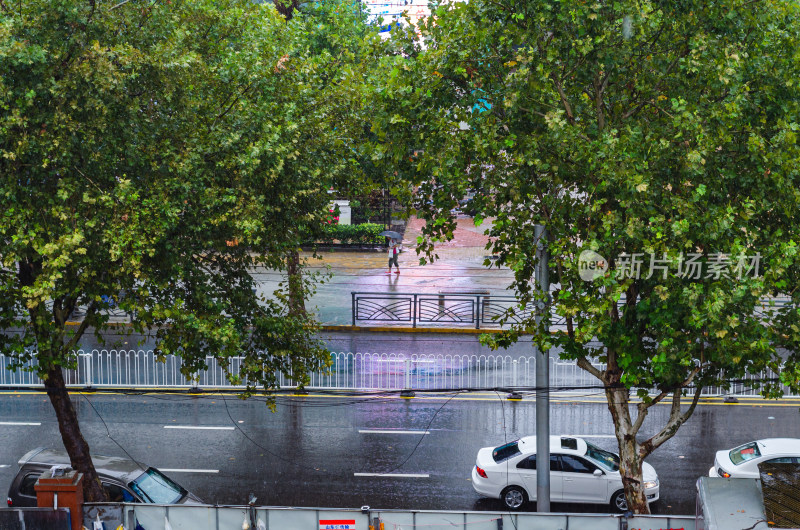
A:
348	371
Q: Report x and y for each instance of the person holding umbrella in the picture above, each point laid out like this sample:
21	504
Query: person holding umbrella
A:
394	250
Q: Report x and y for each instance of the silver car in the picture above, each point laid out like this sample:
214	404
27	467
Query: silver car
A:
123	479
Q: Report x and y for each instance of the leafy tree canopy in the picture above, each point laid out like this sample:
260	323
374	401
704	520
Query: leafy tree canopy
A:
663	129
153	154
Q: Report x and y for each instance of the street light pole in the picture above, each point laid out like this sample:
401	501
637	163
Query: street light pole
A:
387	216
542	278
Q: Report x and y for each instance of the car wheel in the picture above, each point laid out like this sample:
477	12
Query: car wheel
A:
514	497
618	502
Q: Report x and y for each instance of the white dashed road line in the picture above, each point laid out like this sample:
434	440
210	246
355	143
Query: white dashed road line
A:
199	427
389	431
168	470
393	475
20	423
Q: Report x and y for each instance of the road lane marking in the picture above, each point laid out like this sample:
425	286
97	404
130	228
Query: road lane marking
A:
199	427
393	475
389	431
4	465
20	423
555	398
169	470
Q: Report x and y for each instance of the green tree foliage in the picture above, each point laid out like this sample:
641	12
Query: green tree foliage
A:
336	38
659	128
152	155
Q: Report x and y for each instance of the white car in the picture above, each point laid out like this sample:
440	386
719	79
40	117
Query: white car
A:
743	461
579	472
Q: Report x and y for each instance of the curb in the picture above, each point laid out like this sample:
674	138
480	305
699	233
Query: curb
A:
391	329
375	329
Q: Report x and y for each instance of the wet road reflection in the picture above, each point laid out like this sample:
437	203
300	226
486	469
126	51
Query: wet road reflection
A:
308	452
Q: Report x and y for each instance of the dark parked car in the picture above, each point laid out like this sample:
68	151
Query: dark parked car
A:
124	480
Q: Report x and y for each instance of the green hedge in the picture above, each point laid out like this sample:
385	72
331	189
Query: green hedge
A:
363	234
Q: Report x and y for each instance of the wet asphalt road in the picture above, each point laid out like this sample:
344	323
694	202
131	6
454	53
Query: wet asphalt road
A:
308	452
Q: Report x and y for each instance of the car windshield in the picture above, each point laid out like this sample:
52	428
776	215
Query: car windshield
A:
153	487
743	453
607	460
504	452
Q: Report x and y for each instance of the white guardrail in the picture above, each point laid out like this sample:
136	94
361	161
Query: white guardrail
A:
184	517
348	371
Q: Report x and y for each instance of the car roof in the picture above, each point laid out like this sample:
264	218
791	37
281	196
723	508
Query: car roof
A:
122	469
774	446
558	444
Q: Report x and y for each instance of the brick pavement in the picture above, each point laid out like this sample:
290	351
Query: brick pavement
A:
468	243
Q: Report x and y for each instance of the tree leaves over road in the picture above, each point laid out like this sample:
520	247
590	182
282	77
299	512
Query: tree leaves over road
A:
152	154
662	129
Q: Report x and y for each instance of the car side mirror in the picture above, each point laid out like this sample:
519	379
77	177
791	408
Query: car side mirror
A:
597	473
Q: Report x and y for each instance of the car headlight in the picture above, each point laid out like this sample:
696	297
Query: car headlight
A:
651	484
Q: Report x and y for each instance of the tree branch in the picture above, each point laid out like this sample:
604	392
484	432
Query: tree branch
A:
600	88
650	103
120	4
657	88
584	363
235	100
90	312
614	312
531	111
676	419
564	101
73	48
147	16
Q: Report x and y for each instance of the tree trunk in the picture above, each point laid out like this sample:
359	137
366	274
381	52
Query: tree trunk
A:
287	7
71	435
630	466
297	303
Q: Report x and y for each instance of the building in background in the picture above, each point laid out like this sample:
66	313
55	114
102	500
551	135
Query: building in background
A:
389	13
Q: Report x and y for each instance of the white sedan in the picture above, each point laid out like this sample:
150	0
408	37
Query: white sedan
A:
579	472
743	461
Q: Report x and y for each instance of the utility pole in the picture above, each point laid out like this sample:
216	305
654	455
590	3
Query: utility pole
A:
542	278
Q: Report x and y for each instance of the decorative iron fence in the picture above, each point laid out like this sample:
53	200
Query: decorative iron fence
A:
141	369
470	309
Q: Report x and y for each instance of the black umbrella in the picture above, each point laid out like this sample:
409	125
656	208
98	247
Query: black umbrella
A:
390	233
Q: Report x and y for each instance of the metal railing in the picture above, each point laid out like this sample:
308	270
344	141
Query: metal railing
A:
138	369
206	517
472	309
469	309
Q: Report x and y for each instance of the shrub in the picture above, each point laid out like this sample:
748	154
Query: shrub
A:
363	234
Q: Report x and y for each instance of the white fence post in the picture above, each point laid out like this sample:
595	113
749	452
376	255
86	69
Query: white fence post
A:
407	392
87	369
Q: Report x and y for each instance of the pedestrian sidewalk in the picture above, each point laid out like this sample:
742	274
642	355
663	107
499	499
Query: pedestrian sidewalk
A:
458	268
468	243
